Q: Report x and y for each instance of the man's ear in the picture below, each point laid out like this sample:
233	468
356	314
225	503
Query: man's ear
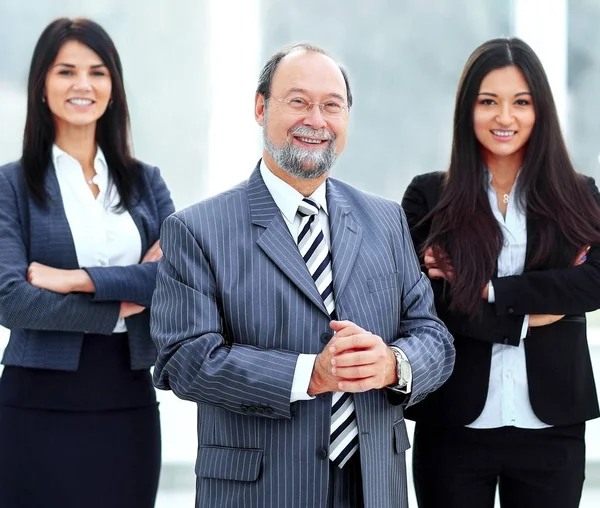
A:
259	108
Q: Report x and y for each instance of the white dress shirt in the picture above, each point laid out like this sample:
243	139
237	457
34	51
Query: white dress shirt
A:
102	236
507	402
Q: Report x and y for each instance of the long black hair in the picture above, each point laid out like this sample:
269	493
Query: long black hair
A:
556	198
113	128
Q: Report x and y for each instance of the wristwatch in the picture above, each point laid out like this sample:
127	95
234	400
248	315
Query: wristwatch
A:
403	370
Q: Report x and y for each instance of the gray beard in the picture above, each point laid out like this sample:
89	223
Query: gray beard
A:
301	162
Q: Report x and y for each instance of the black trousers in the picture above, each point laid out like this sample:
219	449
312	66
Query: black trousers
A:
345	485
462	467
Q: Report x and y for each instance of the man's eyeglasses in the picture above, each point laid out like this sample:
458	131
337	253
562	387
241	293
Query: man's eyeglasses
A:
329	108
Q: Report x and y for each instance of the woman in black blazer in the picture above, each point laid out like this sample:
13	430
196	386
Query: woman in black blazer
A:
505	237
79	222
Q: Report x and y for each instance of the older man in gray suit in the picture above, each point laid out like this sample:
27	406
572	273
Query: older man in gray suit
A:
293	311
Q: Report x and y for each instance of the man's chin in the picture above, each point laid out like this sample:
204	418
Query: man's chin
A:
310	172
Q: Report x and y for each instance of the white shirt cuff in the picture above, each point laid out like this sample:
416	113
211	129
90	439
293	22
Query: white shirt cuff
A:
302	375
491	294
525	328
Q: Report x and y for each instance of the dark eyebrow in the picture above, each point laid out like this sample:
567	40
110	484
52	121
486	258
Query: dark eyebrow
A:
71	66
301	90
496	95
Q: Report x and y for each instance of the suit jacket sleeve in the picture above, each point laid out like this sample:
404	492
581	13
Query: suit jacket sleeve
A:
134	283
25	306
195	359
487	325
572	290
424	338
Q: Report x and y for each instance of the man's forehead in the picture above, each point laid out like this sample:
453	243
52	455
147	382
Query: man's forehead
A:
309	71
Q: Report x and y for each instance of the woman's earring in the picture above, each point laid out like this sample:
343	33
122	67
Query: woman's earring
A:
43	99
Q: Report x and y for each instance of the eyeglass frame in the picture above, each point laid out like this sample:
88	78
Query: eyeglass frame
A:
309	105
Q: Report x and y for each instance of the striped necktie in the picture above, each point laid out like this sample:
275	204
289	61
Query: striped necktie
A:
313	248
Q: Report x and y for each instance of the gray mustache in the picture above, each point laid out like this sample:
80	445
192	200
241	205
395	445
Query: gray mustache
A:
302	130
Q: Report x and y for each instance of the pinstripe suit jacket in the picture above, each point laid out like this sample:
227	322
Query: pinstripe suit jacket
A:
47	328
233	308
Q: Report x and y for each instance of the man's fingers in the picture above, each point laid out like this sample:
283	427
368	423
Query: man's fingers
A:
358	385
345	328
354	358
356	372
340	343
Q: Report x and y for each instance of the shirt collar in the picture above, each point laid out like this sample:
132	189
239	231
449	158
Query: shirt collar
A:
59	155
286	197
490	176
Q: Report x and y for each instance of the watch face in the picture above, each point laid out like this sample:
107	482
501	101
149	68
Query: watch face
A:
404	372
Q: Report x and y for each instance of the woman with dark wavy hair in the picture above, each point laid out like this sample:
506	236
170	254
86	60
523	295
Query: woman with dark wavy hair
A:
79	222
510	238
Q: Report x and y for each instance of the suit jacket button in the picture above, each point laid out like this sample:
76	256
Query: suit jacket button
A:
322	453
326	337
244	408
260	410
269	411
510	310
505	340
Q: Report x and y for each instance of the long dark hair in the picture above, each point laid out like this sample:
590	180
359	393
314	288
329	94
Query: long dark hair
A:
556	198
113	128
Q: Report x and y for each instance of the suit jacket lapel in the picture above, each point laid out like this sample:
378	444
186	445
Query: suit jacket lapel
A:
51	241
276	241
346	236
532	239
136	215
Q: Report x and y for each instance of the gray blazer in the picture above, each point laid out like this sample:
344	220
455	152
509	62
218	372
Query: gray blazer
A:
233	308
47	328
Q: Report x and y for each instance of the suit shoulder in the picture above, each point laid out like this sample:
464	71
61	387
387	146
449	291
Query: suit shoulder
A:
590	180
375	207
145	168
147	172
351	192
588	184
214	208
427	181
13	176
11	170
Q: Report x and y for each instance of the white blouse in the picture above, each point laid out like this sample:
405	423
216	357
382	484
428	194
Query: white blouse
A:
102	236
507	403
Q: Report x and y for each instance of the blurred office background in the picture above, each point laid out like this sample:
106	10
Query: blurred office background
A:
191	68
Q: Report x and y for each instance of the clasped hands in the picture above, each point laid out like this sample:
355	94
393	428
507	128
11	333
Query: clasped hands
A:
354	360
71	281
535	320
